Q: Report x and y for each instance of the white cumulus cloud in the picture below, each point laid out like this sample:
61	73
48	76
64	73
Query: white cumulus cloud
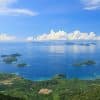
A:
6	9
91	4
62	35
30	38
5	37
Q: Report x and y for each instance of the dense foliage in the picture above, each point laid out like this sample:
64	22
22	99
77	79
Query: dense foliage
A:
8	97
12	86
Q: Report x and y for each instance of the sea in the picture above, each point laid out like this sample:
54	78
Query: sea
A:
45	59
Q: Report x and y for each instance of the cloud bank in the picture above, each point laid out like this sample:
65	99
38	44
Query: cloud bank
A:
91	4
6	9
62	35
5	37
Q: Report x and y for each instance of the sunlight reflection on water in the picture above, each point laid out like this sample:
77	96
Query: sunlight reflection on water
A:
56	49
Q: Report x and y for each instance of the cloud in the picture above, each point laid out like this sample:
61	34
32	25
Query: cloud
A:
6	9
30	38
91	4
16	12
6	3
61	35
5	37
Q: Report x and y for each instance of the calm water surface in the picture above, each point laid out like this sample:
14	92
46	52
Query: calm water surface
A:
48	59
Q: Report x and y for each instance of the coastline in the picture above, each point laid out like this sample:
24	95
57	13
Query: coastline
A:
23	89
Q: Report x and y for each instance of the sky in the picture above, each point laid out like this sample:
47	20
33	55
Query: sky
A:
23	18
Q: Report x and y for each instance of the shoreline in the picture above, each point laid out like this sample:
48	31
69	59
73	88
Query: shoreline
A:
14	86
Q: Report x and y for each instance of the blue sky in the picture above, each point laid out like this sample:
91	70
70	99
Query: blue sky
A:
24	18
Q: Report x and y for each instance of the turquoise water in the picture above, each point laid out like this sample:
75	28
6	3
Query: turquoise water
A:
46	59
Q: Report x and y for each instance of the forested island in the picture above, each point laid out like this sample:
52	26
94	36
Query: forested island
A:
13	58
13	87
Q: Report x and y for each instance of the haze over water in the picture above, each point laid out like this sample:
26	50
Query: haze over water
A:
46	59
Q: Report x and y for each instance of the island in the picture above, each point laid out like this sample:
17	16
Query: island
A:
81	43
13	58
11	55
22	65
85	63
10	59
